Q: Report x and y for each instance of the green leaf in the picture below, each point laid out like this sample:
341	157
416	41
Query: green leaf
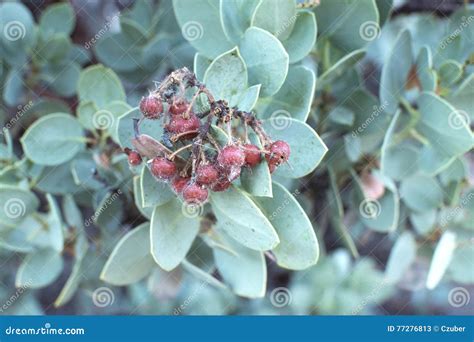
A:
248	98
350	24
54	49
424	69
226	77
398	161
302	37
421	193
423	222
236	17
294	98
266	60
445	128
63	79
55	235
251	279
125	132
99	85
109	50
441	258
109	211
110	117
276	16
200	65
462	261
85	114
403	254
257	180
395	72
200	25
241	218
137	195
74	279
298	248
53	139
15	205
378	214
154	192
307	148
339	68
131	259
57	180
18	32
57	18
450	72
14	88
172	233
39	269
462	97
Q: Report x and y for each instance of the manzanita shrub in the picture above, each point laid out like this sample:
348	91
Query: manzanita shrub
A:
167	162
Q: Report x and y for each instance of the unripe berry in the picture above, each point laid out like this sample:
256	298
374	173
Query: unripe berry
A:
178	124
252	155
179	183
163	168
178	107
206	174
151	107
134	158
231	156
194	193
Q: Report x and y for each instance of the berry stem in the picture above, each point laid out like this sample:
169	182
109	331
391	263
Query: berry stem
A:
175	153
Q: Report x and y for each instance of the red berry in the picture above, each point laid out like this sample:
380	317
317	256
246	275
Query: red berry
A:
279	152
221	185
206	174
179	183
252	155
231	156
178	124
178	107
151	107
194	193
134	158
163	168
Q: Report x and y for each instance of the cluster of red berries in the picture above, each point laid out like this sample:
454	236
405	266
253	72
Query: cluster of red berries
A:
202	169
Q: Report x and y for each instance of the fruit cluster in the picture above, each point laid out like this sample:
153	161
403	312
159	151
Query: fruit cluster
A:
190	156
